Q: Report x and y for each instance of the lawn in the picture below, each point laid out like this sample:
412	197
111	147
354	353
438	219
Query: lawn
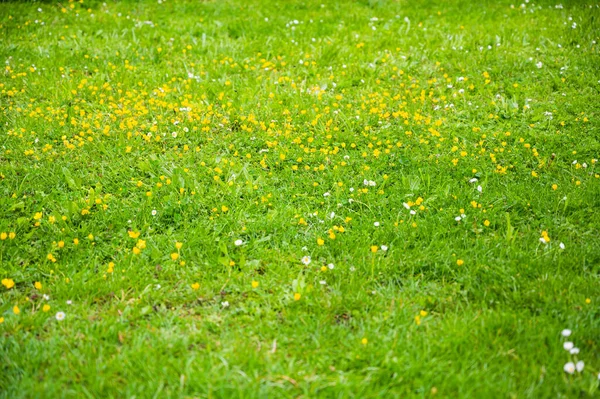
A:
300	199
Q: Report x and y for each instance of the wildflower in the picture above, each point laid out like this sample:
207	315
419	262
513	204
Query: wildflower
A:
8	283
574	351
305	260
195	286
225	304
569	368
568	345
238	242
320	241
174	256
178	245
154	212
16	309
60	316
566	332
384	248
364	341
579	366
69	302
254	284
45	308
460	262
376	224
374	248
331	266
297	296
561	245
37	285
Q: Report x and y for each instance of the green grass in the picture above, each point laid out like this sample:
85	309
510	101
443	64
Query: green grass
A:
260	121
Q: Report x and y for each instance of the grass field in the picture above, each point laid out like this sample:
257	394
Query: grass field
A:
300	199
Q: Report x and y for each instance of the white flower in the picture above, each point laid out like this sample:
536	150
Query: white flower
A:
154	212
69	302
174	134
413	212
238	243
158	286
568	345
326	194
479	189
384	247
542	240
351	189
406	205
352	268
46	297
332	215
372	183
366	182
579	366
561	245
569	368
60	316
574	351
323	282
376	224
539	64
331	266
566	332
457	218
473	180
306	260
225	304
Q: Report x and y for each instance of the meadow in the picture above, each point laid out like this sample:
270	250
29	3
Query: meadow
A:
300	199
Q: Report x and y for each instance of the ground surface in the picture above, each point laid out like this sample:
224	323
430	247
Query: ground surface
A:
436	160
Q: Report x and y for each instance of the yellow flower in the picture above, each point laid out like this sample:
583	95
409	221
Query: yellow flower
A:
76	241
297	296
554	186
224	208
195	286
61	244
320	241
254	284
45	308
16	310
141	244
486	223
136	250
133	234
460	262
3	236
8	283
178	245
37	216
1	320
364	341
174	256
374	248
37	285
